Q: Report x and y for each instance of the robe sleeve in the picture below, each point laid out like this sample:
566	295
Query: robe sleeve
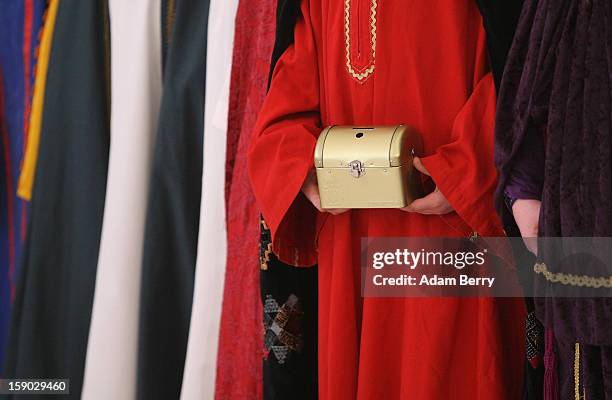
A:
526	178
282	148
463	169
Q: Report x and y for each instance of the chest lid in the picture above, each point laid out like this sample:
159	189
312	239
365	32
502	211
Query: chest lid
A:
374	146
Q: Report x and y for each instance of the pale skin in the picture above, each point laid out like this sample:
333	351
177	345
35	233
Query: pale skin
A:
527	215
433	204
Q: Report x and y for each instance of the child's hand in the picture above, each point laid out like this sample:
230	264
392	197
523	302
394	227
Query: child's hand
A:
434	203
527	216
310	188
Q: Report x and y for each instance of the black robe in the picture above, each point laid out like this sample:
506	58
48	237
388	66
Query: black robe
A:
173	214
286	291
500	18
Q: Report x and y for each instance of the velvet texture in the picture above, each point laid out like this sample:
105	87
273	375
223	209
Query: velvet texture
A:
558	85
239	370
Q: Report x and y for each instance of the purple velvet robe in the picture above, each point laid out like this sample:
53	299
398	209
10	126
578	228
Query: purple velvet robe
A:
554	142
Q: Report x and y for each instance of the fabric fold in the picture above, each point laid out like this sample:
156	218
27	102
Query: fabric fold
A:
173	209
202	349
239	373
462	163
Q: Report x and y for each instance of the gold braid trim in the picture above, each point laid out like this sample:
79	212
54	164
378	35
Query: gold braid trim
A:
347	39
577	372
577	395
573	280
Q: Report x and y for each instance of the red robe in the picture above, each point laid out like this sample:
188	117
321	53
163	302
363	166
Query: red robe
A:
385	62
239	372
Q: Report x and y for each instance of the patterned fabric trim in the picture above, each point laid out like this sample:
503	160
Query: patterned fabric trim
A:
265	245
573	280
534	340
283	327
35	108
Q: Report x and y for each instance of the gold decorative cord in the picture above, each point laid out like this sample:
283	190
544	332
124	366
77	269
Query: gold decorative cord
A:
573	280
577	376
369	70
577	372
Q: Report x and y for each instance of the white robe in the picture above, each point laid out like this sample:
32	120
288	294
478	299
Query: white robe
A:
201	361
136	85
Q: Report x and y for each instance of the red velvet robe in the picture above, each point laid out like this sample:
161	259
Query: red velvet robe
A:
385	62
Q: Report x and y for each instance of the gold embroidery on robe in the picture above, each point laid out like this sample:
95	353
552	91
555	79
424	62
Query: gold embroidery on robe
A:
361	74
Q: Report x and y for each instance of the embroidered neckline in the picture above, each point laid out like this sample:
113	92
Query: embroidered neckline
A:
369	69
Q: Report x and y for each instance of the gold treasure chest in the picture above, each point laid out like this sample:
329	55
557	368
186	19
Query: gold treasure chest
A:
368	167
